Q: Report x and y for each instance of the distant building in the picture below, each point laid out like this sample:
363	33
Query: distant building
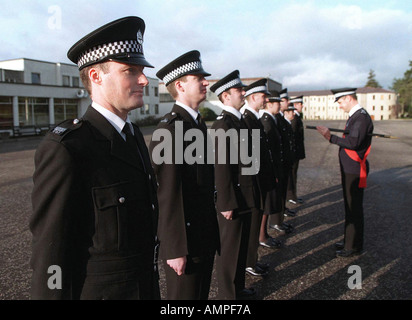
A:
212	101
320	105
36	95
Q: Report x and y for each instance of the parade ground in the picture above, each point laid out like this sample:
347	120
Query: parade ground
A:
305	268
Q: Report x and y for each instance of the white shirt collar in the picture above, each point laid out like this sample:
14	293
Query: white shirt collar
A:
354	109
232	111
117	122
253	111
193	113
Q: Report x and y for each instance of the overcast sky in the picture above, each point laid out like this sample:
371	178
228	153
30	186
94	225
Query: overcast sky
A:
304	44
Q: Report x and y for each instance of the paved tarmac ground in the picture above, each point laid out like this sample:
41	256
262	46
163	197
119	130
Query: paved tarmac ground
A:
306	267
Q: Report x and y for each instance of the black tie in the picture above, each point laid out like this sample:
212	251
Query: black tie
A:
132	143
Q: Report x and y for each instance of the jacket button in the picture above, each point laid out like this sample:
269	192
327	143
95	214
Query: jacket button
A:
122	199
153	206
188	224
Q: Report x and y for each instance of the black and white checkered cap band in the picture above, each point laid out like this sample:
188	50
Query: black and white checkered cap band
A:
296	100
255	89
174	74
104	50
227	85
346	93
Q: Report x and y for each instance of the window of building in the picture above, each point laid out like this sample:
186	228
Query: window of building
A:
76	82
373	108
373	97
146	90
382	97
147	108
381	108
6	112
65	109
156	109
156	91
35	78
33	111
66	81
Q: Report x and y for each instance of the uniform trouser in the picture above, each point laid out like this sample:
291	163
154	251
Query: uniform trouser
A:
231	263
292	182
354	221
192	286
277	218
253	246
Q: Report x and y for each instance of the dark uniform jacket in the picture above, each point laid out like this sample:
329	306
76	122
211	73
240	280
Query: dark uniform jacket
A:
289	145
298	130
187	215
268	167
274	141
235	191
360	127
94	212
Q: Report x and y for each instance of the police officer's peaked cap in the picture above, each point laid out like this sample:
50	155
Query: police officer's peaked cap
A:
188	63
284	94
290	107
296	99
343	92
120	40
275	97
257	86
232	80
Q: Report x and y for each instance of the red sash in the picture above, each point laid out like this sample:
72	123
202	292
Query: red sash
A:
363	170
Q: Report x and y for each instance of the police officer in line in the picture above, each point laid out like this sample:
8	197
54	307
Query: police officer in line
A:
288	152
188	228
237	193
354	148
270	124
298	131
94	197
256	97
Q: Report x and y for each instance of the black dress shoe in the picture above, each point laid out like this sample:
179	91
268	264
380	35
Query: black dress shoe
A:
245	293
271	243
281	228
262	265
348	253
289	213
256	271
339	245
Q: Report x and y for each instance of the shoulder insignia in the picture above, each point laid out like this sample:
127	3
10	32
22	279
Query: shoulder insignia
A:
63	128
364	111
219	117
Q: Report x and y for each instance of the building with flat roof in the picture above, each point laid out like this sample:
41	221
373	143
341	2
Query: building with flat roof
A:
380	103
36	95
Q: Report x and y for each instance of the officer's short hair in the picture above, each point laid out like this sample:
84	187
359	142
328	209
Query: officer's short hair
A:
171	86
84	74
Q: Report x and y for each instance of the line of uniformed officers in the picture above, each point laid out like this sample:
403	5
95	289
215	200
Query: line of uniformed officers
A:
104	208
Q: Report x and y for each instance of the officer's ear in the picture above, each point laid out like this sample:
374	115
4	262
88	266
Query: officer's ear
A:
95	74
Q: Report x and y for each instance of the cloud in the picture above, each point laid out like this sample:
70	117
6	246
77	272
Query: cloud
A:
301	43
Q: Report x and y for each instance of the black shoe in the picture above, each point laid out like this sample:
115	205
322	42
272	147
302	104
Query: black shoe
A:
245	293
271	243
256	271
288	225
278	227
348	253
299	200
262	265
289	213
339	245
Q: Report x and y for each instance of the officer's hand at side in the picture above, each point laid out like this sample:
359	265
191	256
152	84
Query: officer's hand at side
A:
178	265
228	214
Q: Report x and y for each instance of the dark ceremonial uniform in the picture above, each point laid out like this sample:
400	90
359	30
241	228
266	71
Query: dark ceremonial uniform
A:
298	132
237	192
187	216
358	141
288	150
267	184
94	214
275	145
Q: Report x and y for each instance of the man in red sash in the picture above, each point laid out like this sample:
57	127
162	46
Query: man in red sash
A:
354	148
